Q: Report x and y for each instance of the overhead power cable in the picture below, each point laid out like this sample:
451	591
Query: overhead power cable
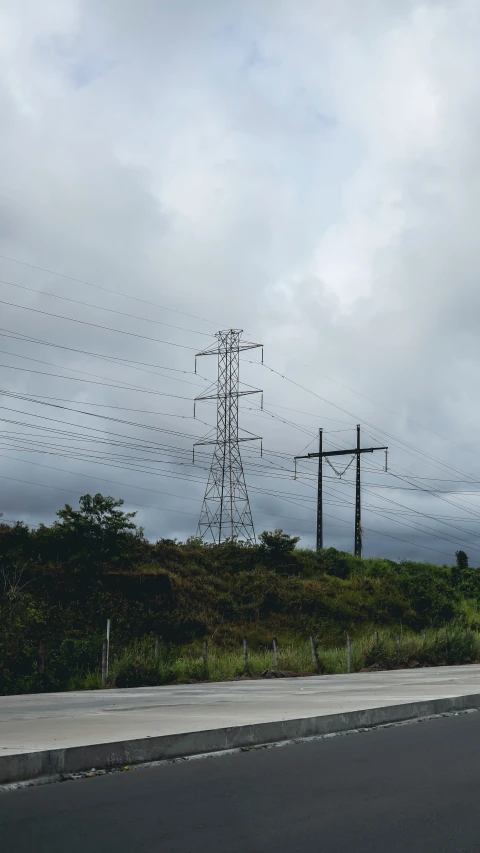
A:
18	336
107	289
381	431
343	521
103	308
203	319
92	382
96	325
86	373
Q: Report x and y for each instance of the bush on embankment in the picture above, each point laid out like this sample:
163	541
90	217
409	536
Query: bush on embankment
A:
59	584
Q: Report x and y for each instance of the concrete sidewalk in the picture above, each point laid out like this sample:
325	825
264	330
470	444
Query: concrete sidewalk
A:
170	720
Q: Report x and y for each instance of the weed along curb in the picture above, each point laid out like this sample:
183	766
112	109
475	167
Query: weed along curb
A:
54	764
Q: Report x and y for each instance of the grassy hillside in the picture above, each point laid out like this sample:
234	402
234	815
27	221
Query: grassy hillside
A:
59	584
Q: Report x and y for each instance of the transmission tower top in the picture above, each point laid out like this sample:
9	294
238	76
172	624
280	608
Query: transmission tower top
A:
219	345
226	512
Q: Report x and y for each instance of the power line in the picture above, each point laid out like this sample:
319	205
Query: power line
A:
359	394
95	325
86	373
42	485
102	308
391	536
301	412
92	382
116	359
415	451
105	289
433	531
101	479
422	528
41	397
94	414
102	417
397	538
155	447
383	432
203	319
182	477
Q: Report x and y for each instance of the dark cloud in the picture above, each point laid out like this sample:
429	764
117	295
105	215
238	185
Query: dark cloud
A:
306	172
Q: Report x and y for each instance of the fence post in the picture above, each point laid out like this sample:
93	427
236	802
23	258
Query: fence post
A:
245	655
41	659
424	639
275	652
104	663
314	652
376	638
399	641
205	653
349	653
156	649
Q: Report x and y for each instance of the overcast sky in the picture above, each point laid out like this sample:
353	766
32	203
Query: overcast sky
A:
306	171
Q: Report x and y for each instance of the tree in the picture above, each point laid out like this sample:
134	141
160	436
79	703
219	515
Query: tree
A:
277	551
336	563
465	578
99	532
16	542
460	570
428	591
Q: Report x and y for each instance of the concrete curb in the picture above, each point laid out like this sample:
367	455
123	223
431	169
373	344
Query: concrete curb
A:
55	763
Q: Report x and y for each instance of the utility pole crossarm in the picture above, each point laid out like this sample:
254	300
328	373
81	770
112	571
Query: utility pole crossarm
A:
341	452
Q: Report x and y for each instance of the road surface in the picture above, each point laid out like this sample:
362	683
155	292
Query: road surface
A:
406	789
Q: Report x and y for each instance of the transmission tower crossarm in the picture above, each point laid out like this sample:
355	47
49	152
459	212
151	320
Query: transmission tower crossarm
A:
238	394
214	440
216	348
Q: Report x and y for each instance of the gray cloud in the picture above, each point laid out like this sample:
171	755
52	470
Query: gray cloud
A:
306	172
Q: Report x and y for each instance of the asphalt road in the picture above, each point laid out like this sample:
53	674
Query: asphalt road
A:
408	789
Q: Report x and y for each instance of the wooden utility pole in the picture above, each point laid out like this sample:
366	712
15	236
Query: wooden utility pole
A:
356	451
320	492
358	520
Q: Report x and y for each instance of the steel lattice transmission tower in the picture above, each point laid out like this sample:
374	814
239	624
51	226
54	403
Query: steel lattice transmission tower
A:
226	512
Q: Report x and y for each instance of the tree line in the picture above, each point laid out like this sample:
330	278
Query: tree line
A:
60	582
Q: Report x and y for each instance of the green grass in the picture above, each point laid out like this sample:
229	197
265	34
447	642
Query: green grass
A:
137	665
469	613
451	645
85	681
